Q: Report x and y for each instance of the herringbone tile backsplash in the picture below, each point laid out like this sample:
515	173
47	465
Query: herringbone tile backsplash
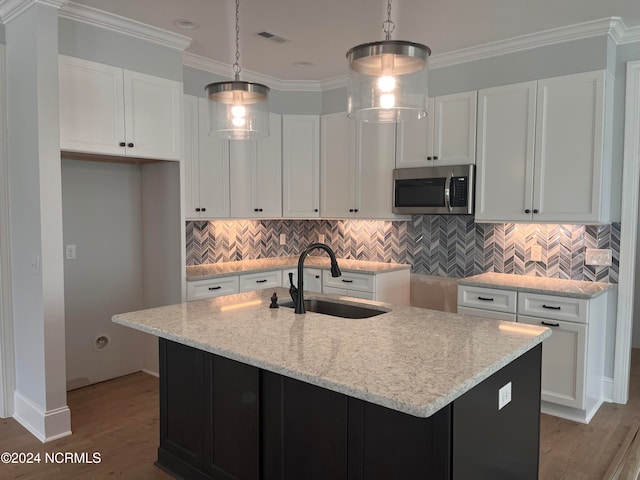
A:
452	245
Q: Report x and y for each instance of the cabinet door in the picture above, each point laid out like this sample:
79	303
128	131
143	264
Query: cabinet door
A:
301	166
375	161
569	148
563	361
414	141
504	173
91	107
190	177
454	137
338	166
256	174
212	174
153	116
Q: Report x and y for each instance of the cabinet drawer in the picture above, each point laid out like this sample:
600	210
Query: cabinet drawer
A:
349	293
558	308
487	298
260	280
507	317
351	281
212	288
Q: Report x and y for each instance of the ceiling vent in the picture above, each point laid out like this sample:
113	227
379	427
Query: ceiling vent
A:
273	37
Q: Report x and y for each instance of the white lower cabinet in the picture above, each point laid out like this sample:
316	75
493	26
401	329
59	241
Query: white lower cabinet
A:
260	280
572	358
312	279
215	287
563	361
392	287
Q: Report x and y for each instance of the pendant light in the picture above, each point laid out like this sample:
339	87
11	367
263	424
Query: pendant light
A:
388	79
238	110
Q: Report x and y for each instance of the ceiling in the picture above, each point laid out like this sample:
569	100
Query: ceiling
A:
321	31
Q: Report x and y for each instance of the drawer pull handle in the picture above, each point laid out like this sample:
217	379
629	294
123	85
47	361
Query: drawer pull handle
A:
215	288
347	281
550	324
486	299
261	281
551	307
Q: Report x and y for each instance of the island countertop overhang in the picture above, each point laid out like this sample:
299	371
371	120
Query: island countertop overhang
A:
409	359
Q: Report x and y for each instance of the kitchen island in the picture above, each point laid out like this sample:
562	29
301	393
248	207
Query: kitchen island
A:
250	392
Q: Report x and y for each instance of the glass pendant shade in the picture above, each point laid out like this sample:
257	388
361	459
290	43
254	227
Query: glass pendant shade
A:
238	110
388	81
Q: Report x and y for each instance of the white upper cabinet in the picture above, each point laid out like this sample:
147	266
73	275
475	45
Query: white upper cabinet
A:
357	161
572	166
542	151
447	136
301	166
255	168
110	111
504	172
206	165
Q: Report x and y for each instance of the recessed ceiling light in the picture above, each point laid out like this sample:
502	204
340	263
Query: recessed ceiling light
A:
186	24
303	64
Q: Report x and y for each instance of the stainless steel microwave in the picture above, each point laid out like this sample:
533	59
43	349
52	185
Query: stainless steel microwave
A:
433	190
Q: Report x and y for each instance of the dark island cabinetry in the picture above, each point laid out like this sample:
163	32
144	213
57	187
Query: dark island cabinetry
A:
222	419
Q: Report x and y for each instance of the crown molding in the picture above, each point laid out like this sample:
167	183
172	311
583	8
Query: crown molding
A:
631	35
223	69
126	26
10	9
613	27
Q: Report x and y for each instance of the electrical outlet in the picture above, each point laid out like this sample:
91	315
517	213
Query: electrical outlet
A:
504	396
536	253
596	256
321	238
70	252
283	239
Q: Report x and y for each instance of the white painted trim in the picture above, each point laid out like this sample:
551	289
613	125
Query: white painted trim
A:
10	9
45	426
607	389
220	68
7	358
151	372
126	26
613	26
629	216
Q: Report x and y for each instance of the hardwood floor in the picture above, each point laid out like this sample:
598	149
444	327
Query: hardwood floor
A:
119	420
574	451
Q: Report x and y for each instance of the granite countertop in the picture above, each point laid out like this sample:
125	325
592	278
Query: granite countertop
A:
409	359
214	270
527	283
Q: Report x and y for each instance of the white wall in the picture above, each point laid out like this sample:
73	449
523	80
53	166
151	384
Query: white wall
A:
36	222
102	216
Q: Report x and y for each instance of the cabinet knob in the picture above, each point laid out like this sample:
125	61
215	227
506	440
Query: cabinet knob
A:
197	209
351	210
535	210
315	209
527	211
355	210
255	209
130	145
435	157
259	209
122	144
428	158
204	209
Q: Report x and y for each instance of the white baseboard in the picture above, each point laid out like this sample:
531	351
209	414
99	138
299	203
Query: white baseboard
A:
607	389
46	426
151	372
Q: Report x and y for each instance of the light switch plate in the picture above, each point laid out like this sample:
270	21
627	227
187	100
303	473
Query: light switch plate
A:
321	238
283	239
504	396
597	256
70	252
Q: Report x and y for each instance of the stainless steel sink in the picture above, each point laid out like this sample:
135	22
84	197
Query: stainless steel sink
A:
336	309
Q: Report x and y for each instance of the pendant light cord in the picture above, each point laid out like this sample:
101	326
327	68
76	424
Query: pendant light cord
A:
388	26
236	66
